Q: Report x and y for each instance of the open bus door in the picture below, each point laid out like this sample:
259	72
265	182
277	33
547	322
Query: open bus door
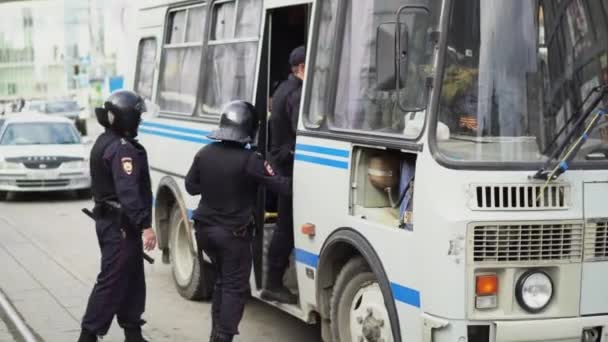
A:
286	27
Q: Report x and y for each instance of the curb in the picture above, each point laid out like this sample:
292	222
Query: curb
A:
14	321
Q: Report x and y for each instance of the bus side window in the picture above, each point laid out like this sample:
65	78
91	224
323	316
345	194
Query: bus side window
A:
146	63
383	187
319	68
231	55
182	52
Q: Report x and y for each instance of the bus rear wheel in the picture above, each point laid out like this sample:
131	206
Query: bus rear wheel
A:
357	306
191	274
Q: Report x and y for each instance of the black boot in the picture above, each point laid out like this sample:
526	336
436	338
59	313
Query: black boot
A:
134	335
87	336
217	336
279	294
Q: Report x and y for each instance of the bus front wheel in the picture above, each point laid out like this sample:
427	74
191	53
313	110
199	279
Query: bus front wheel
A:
191	274
357	306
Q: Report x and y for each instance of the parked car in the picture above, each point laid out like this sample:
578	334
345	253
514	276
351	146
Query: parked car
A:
43	153
68	108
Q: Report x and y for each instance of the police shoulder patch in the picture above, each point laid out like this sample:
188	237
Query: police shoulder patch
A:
127	165
268	168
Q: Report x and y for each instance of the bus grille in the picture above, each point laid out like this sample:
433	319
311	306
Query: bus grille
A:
520	197
596	240
527	242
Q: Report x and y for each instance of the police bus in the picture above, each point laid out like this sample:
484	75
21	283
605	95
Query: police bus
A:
451	164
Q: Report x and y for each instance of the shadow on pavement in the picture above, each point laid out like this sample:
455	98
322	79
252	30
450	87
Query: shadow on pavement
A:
54	196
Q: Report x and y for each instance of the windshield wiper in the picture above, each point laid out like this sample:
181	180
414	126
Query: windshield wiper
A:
574	116
551	172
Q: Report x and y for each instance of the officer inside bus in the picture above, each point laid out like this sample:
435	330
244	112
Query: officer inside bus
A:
123	215
283	125
227	174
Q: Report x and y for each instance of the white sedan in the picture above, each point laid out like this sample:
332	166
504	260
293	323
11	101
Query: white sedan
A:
42	153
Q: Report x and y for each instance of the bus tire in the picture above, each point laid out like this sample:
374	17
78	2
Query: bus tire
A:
357	308
3	195
190	273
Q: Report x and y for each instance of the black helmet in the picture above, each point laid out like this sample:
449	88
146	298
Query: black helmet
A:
238	123
122	112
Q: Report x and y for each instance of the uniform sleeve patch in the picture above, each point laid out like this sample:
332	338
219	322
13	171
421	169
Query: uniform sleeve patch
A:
269	170
127	165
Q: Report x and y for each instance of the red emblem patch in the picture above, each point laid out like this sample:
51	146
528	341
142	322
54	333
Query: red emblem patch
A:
269	170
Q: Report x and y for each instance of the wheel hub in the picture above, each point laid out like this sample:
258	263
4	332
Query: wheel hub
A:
369	317
372	328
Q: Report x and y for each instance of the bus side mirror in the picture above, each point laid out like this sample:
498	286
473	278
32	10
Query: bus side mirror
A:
388	41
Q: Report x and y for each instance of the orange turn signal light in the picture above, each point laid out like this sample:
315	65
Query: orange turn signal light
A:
486	285
308	229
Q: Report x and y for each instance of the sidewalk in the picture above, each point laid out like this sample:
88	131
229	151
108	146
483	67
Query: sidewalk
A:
47	295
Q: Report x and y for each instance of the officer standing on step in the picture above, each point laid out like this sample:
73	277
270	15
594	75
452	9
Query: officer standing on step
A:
227	174
283	125
123	216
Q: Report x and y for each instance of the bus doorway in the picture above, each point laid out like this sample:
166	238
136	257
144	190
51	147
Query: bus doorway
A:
286	29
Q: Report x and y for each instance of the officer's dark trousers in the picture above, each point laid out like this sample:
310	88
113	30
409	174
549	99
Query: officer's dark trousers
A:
120	288
281	244
231	256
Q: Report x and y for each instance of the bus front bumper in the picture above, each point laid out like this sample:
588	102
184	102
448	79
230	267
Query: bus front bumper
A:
586	329
562	330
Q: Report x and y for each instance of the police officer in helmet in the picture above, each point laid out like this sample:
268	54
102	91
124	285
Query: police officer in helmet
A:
227	174
123	207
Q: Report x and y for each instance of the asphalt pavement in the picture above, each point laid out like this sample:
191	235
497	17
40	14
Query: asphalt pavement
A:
49	257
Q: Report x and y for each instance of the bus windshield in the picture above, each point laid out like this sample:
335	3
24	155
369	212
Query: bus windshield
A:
516	74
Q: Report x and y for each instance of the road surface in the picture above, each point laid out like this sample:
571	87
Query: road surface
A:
49	259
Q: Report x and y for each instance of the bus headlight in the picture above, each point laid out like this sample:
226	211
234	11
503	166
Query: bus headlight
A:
534	291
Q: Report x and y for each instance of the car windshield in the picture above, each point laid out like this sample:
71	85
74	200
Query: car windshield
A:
61	106
516	72
39	133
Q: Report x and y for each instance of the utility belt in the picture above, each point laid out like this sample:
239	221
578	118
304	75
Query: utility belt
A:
246	230
107	209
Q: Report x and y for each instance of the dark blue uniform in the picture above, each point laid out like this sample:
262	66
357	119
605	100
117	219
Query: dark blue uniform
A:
283	125
227	176
120	178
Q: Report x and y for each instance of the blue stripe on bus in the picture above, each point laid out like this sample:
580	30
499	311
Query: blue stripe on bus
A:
400	293
200	140
323	150
306	258
322	161
175	128
406	295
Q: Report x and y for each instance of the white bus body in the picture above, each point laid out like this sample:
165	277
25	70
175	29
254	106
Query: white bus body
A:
363	269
